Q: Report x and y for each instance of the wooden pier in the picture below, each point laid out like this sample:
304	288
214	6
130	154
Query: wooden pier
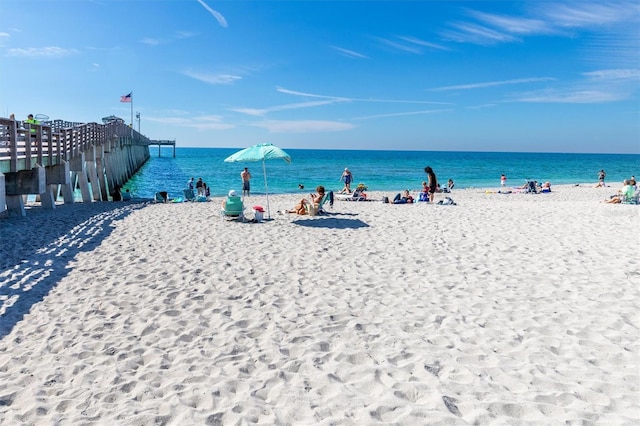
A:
162	143
52	159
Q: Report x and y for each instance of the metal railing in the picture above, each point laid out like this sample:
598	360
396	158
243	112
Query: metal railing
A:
22	145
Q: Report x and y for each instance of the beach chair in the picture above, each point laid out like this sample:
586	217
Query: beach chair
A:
328	198
633	198
233	209
161	197
189	195
530	187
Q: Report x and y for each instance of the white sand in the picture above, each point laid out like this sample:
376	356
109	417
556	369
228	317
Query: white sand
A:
504	309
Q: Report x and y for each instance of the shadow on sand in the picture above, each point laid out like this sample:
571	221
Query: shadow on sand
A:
331	222
37	249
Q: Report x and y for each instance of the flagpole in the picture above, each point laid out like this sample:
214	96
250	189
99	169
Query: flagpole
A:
132	113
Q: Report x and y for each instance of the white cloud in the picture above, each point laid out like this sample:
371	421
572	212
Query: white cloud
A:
50	52
212	78
151	41
477	34
184	34
400	46
349	53
492	84
570	96
590	14
303	126
423	43
345	99
216	14
481	106
264	111
399	114
514	25
614	74
203	122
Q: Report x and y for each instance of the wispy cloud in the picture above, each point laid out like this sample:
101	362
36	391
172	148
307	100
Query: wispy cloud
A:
151	41
49	52
212	78
569	96
590	14
399	114
309	95
179	35
614	74
303	126
184	34
484	106
409	48
513	25
544	18
349	53
492	84
264	111
203	122
464	32
419	42
216	14
346	99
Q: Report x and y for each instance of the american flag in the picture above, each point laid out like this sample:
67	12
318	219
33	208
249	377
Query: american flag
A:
126	98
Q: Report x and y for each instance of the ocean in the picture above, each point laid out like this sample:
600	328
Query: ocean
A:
378	170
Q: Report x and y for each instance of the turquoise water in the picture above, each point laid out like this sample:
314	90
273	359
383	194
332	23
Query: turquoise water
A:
379	170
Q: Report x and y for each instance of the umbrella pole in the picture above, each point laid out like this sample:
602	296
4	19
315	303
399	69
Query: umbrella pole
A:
266	188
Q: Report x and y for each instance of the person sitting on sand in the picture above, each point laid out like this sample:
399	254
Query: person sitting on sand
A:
450	184
405	198
424	193
626	192
359	191
301	207
231	199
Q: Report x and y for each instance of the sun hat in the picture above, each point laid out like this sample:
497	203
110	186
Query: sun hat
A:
232	193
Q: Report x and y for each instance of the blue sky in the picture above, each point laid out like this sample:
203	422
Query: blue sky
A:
560	76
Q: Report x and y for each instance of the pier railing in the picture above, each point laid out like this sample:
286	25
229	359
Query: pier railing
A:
23	145
46	158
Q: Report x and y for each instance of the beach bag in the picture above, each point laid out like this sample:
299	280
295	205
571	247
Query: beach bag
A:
385	200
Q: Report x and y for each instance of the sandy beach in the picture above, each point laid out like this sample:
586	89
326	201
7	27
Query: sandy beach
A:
503	309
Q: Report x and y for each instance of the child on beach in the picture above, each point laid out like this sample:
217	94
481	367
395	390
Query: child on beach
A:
503	181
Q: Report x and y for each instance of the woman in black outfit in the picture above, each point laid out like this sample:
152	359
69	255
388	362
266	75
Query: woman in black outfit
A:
432	182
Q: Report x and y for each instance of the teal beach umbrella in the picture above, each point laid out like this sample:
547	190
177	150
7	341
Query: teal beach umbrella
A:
260	152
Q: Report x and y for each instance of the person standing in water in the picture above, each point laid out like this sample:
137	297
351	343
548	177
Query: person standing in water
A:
347	178
246	184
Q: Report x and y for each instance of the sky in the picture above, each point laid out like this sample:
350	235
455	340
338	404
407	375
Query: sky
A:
510	76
